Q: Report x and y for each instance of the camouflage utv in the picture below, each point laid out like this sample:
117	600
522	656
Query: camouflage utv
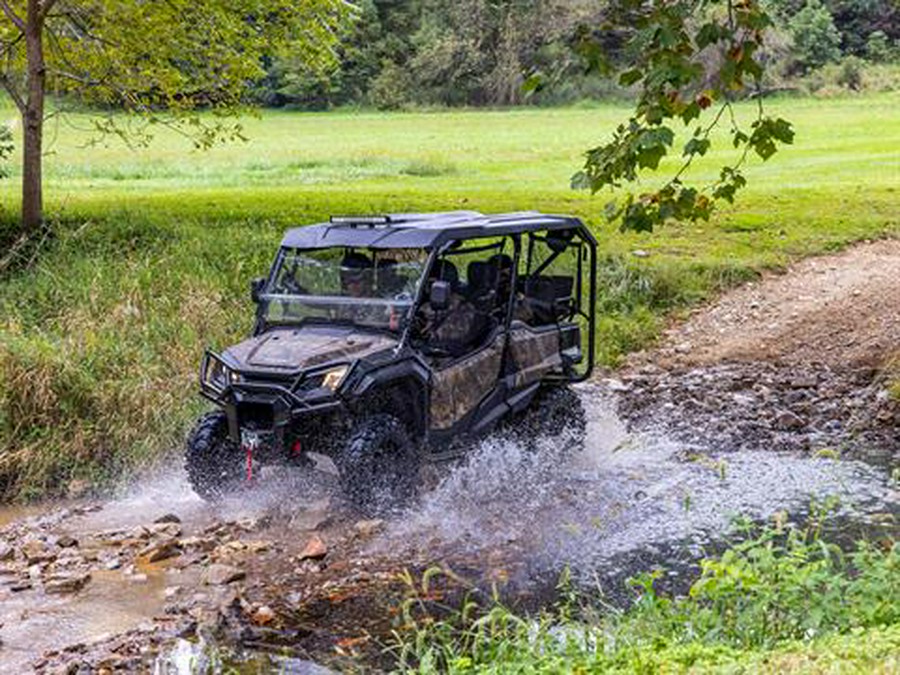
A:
386	342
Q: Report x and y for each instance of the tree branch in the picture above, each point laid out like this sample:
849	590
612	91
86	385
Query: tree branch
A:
13	93
12	16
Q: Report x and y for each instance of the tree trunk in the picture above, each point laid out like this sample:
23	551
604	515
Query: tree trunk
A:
33	120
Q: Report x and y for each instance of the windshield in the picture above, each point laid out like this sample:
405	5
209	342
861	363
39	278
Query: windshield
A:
374	288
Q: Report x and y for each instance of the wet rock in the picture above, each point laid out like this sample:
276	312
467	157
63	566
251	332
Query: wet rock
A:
38	551
7	552
199	543
788	421
161	551
218	574
315	549
63	584
67	541
263	615
167	518
369	528
170	530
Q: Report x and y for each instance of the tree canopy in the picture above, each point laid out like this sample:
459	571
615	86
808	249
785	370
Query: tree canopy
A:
161	60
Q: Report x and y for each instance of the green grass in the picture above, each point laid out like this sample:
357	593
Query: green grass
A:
773	604
152	250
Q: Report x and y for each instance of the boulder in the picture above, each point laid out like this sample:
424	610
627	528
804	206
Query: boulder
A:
218	574
68	583
315	549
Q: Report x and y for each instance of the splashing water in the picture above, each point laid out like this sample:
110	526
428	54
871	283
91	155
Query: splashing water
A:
623	493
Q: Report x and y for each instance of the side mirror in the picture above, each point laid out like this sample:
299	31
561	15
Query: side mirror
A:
439	298
256	287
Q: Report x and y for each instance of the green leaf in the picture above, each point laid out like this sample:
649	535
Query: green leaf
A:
629	77
696	146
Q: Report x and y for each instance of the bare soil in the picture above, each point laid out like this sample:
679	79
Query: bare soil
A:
837	310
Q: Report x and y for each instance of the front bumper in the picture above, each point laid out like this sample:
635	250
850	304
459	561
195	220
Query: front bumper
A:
270	405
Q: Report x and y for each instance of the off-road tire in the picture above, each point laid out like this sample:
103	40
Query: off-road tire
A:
213	461
379	465
557	413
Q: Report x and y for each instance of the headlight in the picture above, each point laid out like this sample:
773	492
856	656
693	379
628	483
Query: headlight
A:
333	378
216	374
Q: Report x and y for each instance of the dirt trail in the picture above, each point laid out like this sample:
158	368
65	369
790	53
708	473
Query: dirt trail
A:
839	310
679	442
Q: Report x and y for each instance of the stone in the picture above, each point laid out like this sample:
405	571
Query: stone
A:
315	549
263	615
804	381
167	518
218	574
788	421
171	530
199	543
7	552
67	541
162	551
37	551
260	546
368	528
63	584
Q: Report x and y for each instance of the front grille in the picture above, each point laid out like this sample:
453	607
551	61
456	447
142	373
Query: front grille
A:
257	415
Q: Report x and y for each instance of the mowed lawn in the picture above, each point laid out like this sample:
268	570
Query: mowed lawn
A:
153	249
839	180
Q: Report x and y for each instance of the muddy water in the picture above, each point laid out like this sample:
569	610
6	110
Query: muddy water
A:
628	502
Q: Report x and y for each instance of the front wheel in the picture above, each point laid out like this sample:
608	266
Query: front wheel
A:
379	466
213	461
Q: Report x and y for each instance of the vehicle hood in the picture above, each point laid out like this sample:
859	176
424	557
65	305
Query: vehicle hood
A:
293	349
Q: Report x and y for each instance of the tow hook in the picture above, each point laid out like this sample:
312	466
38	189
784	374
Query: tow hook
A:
249	441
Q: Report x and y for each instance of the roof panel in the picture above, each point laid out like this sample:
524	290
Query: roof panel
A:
426	230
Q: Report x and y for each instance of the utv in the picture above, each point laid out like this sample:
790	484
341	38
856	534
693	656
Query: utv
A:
385	342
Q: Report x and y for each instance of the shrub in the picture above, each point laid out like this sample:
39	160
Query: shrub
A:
816	39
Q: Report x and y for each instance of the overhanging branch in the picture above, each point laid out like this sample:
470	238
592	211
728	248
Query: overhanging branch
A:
12	16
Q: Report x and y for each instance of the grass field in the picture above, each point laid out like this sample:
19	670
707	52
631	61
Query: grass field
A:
153	249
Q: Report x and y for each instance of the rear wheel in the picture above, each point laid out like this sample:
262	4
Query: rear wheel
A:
556	414
213	461
379	466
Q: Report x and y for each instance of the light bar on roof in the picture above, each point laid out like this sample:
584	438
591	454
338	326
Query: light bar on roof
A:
360	220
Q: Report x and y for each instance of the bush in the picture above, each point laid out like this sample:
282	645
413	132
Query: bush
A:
816	39
851	73
391	88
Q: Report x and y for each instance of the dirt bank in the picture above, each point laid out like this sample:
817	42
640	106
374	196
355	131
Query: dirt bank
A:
840	310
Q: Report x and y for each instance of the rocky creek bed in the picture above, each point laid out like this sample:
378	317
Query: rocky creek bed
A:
136	584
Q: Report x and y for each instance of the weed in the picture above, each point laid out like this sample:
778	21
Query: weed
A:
780	593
